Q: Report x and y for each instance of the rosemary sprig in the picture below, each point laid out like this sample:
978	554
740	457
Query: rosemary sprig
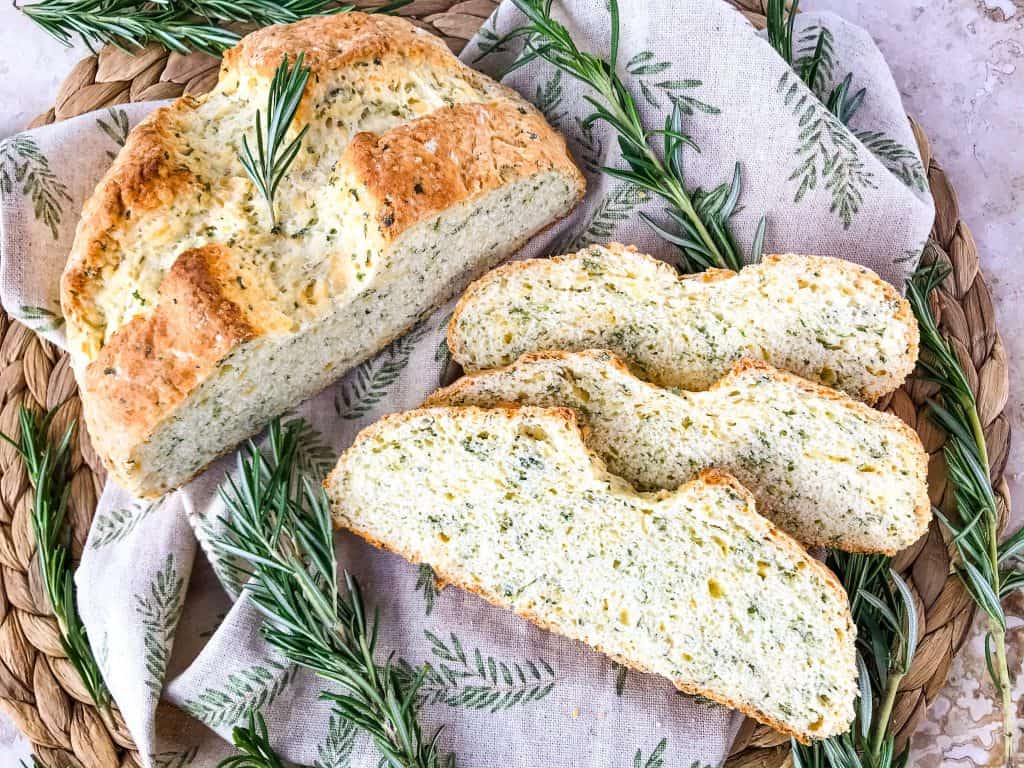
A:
253	742
49	473
273	158
133	24
279	526
841	100
178	25
703	217
987	568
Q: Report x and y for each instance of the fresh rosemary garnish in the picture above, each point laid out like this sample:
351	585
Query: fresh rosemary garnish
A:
272	160
49	472
883	610
279	538
253	743
988	570
703	217
178	25
779	24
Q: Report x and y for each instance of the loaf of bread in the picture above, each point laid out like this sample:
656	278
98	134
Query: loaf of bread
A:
192	319
690	584
826	469
827	320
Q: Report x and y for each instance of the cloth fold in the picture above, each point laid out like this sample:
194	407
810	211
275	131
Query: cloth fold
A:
181	652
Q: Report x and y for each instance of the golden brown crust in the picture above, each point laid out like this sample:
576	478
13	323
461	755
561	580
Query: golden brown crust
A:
863	276
708	477
451	156
333	42
922	509
153	362
145	175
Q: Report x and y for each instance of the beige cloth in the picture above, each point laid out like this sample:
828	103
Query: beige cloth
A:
507	693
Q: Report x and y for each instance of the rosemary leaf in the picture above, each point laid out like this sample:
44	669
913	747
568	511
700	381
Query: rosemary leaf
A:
280	537
270	164
253	743
49	473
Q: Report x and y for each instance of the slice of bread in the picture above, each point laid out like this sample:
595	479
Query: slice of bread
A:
690	584
827	469
193	319
827	320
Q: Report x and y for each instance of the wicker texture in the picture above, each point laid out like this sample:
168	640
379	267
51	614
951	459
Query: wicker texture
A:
41	692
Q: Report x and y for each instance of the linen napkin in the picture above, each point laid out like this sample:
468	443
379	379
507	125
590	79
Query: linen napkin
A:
182	653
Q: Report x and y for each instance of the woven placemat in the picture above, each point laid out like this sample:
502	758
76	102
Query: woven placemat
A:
41	692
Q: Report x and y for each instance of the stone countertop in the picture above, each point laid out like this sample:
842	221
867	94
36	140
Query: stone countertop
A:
960	67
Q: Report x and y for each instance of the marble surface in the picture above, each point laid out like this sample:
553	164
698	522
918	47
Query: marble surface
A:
960	67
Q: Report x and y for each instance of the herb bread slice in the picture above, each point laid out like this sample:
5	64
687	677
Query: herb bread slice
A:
690	584
827	469
825	319
192	319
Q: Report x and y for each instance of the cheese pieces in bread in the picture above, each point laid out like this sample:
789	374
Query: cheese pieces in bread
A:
690	584
192	319
827	320
825	468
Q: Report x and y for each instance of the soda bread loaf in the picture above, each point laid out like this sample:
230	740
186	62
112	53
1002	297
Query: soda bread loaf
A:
827	320
690	584
192	320
826	469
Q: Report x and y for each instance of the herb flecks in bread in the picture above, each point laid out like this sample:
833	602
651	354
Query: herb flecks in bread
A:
828	320
415	175
690	584
825	468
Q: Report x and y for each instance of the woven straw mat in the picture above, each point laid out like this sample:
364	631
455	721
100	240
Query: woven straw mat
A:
40	690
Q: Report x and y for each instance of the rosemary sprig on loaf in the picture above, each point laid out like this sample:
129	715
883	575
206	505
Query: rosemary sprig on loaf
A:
280	543
703	217
49	473
273	157
989	570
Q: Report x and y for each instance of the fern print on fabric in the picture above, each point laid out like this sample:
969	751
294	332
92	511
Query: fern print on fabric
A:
621	675
31	172
114	525
40	319
426	582
654	760
245	690
183	759
475	681
643	67
336	749
618	206
158	612
116	127
371	381
314	457
548	99
827	153
902	161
